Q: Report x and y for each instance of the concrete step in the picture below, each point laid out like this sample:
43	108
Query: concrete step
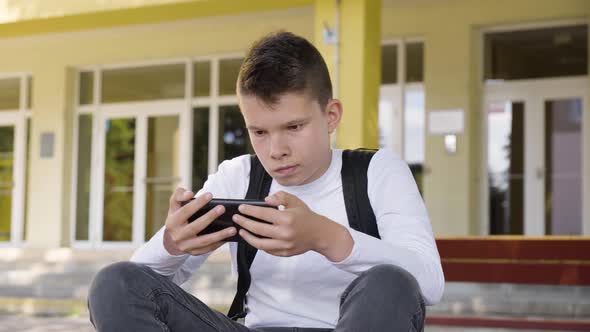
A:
57	281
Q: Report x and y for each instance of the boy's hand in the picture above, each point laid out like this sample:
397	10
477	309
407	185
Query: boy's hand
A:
293	230
181	237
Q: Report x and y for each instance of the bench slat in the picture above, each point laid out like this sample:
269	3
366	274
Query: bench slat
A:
518	273
519	248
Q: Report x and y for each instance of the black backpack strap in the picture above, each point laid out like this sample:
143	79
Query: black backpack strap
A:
258	188
355	164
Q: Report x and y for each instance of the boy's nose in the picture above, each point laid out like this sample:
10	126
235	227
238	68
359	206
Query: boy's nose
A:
278	148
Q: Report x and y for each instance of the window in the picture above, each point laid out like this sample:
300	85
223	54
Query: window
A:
200	144
141	147
86	88
536	53
84	176
401	102
143	83
228	76
202	79
233	135
9	94
389	64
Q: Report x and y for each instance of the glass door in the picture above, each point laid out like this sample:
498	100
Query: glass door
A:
120	156
535	156
563	141
140	170
162	170
505	167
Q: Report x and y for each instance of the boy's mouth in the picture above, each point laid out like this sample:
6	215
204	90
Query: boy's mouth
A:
286	170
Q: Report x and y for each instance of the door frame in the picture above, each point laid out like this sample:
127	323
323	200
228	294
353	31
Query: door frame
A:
18	118
534	93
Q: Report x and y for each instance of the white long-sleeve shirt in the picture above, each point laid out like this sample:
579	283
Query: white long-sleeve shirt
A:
305	290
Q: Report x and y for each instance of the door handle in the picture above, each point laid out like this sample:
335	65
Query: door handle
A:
540	173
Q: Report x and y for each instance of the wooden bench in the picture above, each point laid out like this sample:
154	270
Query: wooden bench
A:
515	260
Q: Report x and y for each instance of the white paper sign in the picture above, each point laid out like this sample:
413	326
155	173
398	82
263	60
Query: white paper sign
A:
442	122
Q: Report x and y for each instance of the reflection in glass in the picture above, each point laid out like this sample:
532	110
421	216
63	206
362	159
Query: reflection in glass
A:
83	180
202	79
143	83
506	167
118	179
233	136
162	170
414	124
6	180
228	75
86	88
385	120
9	94
200	147
563	161
388	64
414	119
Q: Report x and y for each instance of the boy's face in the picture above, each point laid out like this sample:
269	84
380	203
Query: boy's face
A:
292	137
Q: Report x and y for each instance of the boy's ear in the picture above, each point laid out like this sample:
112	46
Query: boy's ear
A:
334	113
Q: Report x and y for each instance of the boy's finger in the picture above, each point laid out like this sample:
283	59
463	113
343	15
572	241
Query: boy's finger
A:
270	215
207	240
180	195
258	243
198	225
283	198
182	214
256	227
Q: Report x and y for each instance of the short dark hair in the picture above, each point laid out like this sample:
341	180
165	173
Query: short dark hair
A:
283	62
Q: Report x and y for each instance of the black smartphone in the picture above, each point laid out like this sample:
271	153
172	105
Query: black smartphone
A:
225	220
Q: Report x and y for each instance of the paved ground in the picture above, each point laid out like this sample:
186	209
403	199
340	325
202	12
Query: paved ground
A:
11	323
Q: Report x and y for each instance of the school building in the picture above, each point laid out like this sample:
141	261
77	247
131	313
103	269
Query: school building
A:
107	106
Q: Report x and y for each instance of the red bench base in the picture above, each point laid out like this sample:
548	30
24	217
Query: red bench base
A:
509	323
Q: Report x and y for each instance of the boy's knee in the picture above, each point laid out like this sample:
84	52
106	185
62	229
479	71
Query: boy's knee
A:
391	279
113	280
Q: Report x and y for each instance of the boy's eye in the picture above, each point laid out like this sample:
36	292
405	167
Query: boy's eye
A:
259	132
295	127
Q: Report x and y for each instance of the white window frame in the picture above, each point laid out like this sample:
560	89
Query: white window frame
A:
18	118
396	93
183	107
533	92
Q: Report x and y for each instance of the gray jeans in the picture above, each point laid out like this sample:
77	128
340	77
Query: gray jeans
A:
131	297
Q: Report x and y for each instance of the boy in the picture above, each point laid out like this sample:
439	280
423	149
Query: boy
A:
312	271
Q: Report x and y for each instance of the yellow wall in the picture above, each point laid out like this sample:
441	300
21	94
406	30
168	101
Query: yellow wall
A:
452	62
450	29
50	58
356	83
144	15
18	10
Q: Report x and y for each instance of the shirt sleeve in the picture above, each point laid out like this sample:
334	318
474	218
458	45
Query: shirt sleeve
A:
230	181
406	240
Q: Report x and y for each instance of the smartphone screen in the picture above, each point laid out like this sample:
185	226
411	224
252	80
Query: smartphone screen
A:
225	220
